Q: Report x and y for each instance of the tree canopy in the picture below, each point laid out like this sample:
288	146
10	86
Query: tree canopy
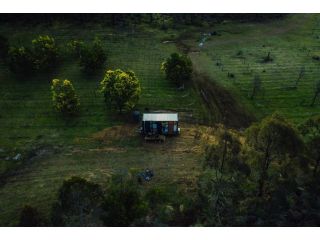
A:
121	89
178	68
92	56
45	52
43	55
64	97
272	139
78	200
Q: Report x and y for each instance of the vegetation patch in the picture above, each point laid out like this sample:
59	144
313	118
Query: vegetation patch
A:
221	104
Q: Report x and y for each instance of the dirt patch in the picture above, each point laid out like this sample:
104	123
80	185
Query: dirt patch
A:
115	133
221	105
109	149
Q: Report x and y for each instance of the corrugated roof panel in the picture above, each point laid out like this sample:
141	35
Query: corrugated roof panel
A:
160	117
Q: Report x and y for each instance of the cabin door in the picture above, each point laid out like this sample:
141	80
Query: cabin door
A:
170	127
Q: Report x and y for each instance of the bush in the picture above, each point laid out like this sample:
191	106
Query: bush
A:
267	58
121	89
167	207
78	203
316	57
64	98
30	217
124	204
162	21
42	56
76	47
21	60
178	68
45	52
92	57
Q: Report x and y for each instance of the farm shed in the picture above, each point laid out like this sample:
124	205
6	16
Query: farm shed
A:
160	123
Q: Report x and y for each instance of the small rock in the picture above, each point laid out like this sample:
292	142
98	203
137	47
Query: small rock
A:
17	157
1	150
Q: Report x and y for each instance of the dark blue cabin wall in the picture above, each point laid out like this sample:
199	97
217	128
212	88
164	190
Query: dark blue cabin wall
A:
148	127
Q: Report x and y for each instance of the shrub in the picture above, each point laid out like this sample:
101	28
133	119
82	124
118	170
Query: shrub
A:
124	204
21	60
231	75
76	46
267	58
64	98
316	57
239	53
162	21
45	52
78	203
42	56
92	57
178	68
121	89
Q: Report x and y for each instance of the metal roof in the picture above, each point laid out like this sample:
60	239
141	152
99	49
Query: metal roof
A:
160	117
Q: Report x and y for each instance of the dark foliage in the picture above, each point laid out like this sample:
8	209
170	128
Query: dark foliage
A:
21	61
30	217
43	56
92	57
178	69
4	48
120	19
78	203
124	204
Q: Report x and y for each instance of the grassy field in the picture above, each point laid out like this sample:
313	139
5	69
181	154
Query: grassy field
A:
99	142
26	107
118	149
67	148
240	49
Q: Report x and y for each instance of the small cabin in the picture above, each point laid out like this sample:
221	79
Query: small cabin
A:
160	124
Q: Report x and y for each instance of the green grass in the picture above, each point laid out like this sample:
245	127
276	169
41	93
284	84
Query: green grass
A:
175	163
28	119
26	107
291	42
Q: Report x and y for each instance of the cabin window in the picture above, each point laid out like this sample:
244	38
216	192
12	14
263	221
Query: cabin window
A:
165	127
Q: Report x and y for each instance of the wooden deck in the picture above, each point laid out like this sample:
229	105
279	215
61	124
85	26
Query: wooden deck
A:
155	138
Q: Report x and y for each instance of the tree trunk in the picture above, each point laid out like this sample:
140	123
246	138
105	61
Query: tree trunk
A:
223	155
261	185
264	170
